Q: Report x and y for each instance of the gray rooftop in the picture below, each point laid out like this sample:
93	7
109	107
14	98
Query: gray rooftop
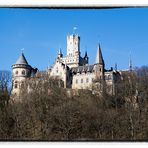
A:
85	68
99	57
22	60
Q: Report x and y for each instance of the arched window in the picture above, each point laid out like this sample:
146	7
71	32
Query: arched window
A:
23	72
16	84
16	72
81	80
22	85
100	69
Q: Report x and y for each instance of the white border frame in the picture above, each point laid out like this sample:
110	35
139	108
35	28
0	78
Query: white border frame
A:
73	3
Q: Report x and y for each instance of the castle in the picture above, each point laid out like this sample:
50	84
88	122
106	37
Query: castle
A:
73	69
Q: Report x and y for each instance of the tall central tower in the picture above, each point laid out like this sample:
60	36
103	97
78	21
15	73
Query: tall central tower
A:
73	45
73	51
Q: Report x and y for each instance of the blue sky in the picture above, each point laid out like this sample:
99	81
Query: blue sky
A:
42	31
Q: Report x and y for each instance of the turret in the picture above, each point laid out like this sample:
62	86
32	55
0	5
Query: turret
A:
20	71
86	58
99	57
60	55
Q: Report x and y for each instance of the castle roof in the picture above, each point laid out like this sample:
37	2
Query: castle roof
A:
22	60
80	69
99	57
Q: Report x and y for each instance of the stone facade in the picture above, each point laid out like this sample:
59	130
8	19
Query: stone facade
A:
73	70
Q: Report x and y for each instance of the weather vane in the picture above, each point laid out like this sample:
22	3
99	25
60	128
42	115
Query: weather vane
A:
98	38
22	50
74	29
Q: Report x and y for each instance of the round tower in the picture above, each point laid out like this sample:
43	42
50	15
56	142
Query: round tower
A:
21	70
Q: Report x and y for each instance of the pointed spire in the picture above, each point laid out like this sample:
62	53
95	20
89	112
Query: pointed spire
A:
86	54
116	66
130	63
99	57
22	60
60	53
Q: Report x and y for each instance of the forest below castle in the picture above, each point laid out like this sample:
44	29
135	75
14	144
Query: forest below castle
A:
58	115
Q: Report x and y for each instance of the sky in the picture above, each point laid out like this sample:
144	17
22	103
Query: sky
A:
41	32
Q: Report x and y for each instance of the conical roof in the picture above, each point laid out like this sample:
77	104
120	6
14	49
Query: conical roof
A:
99	57
22	60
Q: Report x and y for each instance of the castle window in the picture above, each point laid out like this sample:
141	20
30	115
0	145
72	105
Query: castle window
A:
87	80
106	77
57	70
22	85
23	72
16	72
100	69
81	80
109	77
15	85
76	81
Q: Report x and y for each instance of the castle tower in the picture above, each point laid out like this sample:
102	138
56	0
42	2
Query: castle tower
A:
73	45
73	50
21	70
99	64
